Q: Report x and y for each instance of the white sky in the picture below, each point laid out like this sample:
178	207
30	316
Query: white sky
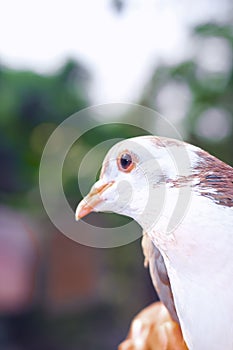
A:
119	50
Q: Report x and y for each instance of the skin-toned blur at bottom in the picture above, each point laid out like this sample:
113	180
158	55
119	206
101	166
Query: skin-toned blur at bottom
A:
152	329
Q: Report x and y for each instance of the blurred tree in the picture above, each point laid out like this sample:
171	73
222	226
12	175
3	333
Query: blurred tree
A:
200	90
118	5
31	107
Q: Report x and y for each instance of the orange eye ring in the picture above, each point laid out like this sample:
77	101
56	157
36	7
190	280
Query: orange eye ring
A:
125	162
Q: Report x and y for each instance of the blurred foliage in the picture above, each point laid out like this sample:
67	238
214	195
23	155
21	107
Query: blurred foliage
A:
211	29
118	5
31	107
209	89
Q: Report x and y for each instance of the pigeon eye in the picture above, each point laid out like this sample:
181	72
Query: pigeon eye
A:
125	162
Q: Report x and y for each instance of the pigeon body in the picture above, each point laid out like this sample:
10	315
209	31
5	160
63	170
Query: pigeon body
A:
183	199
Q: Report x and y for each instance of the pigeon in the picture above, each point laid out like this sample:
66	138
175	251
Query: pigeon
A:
182	197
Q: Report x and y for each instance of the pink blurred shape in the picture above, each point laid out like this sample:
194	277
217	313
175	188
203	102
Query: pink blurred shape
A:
18	257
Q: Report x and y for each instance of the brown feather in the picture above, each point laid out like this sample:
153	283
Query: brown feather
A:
216	179
211	178
159	275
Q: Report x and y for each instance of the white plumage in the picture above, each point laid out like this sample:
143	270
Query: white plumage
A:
183	198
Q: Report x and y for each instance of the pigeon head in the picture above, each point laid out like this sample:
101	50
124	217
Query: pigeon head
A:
135	177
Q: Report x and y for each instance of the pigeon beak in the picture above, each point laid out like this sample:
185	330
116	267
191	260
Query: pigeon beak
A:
94	197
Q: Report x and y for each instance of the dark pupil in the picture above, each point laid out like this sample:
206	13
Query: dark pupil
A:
126	160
